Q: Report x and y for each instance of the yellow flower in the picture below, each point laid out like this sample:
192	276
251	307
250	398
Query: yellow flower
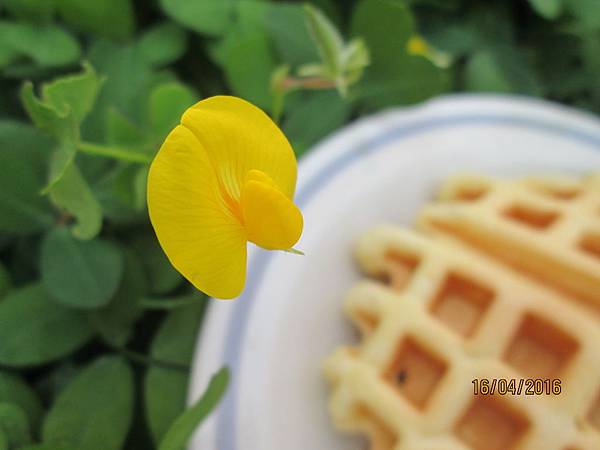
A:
416	45
224	176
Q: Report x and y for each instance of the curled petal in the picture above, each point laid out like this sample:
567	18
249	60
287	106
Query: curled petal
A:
239	137
271	219
201	236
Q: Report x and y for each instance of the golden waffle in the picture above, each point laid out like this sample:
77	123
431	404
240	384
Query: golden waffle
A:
548	228
444	316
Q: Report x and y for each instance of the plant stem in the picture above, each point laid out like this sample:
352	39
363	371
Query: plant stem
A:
172	303
123	154
150	361
307	83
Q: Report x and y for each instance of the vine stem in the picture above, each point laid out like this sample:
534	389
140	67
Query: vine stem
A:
105	151
307	83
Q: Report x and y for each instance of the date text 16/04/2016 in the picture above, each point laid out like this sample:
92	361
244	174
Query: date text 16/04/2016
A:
514	386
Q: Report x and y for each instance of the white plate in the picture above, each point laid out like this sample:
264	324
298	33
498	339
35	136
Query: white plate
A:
379	169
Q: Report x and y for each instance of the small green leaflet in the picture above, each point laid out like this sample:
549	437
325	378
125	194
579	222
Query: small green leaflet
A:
341	63
80	274
63	105
182	429
94	411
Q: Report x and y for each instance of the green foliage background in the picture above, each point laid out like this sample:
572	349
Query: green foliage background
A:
96	328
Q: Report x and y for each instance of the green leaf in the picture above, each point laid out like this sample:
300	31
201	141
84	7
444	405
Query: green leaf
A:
204	16
164	389
586	11
394	77
94	411
64	103
22	166
31	10
483	74
14	425
129	79
246	54
123	193
167	103
356	55
80	274
110	18
327	38
35	330
121	131
3	441
500	69
286	26
115	321
14	390
60	161
162	276
181	431
405	81
455	39
341	63
119	194
304	128
74	93
163	44
549	9
387	39
44	45
46	117
72	194
248	63
252	14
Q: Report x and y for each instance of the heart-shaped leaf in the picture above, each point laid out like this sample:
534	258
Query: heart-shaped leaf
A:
80	274
35	330
94	411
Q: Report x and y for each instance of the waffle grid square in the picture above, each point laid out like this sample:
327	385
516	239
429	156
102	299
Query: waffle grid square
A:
444	313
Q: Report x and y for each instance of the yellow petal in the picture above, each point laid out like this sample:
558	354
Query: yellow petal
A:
258	175
201	236
271	219
239	137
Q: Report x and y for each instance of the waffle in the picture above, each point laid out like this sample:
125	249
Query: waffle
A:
547	228
437	314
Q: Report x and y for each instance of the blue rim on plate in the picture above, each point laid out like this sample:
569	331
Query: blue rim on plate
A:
226	435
